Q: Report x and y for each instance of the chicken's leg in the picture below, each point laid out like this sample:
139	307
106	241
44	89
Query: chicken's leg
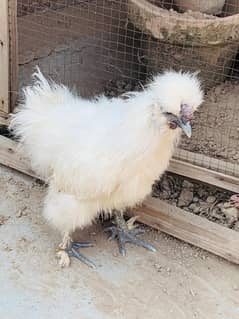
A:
68	249
126	232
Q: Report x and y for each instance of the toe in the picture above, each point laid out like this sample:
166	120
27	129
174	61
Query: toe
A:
82	245
122	248
131	222
64	259
141	243
82	258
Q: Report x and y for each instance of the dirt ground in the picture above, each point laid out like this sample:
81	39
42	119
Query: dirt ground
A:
179	281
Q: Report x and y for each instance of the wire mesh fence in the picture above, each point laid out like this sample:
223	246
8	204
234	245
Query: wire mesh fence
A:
109	46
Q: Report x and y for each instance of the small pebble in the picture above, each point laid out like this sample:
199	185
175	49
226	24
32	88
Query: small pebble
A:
215	213
158	267
187	184
211	199
195	208
3	219
231	212
195	199
22	212
236	226
185	198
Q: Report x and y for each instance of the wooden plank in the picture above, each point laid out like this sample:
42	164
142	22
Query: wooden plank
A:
4	57
4	119
204	175
190	228
12	156
13	51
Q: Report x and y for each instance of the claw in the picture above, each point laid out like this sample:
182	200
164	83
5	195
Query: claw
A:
140	242
73	251
113	232
137	231
82	245
128	235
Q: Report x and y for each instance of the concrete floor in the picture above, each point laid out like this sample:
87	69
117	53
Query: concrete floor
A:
178	282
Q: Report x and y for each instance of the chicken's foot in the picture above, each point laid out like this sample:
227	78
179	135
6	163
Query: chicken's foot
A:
126	232
68	249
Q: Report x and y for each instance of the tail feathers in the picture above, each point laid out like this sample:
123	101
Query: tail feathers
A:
40	86
44	93
40	80
39	99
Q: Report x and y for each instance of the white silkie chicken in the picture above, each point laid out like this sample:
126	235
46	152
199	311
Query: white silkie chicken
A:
102	154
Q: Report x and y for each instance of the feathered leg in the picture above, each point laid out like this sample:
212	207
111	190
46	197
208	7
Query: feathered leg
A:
62	210
68	249
126	232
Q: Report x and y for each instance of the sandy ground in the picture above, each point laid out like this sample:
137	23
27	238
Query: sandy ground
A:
179	281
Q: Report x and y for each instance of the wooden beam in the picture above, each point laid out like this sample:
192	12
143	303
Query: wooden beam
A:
13	53
4	120
190	228
12	156
4	57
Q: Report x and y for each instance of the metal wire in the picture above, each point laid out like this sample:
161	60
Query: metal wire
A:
95	46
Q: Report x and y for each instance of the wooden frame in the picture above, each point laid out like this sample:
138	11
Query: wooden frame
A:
8	56
4	57
11	156
13	53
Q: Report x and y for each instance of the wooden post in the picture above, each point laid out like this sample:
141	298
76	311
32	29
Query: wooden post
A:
4	57
13	53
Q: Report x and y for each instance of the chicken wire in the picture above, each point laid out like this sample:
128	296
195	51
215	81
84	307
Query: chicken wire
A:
98	46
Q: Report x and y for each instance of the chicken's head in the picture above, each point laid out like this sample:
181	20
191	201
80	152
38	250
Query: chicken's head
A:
178	95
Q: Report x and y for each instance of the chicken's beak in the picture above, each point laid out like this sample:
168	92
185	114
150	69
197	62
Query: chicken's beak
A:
186	127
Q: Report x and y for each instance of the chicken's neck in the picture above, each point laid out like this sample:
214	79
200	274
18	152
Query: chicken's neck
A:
148	124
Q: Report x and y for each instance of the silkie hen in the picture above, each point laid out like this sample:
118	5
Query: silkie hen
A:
102	154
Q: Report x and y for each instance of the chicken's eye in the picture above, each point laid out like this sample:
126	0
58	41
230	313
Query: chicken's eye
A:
173	125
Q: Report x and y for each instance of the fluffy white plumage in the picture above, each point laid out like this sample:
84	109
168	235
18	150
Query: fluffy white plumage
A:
100	154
